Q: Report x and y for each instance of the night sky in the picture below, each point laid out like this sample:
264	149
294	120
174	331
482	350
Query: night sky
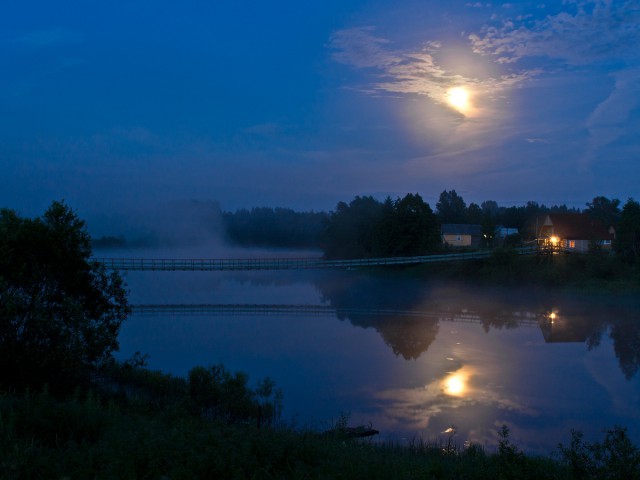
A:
118	104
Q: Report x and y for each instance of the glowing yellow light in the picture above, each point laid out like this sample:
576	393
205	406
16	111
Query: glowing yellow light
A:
552	316
554	240
455	384
458	98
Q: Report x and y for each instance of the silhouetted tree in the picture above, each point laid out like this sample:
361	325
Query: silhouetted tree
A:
628	231
387	229
451	207
604	210
367	228
490	207
60	313
352	229
417	229
474	214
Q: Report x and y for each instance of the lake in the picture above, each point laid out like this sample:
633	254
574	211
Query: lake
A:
410	356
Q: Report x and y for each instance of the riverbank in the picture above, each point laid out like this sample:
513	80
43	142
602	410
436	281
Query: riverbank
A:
571	272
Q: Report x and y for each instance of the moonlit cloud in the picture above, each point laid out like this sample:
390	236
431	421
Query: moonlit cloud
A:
594	31
413	71
591	33
417	406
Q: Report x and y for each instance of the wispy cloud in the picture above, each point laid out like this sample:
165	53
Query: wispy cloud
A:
611	118
412	71
587	35
360	48
516	46
590	31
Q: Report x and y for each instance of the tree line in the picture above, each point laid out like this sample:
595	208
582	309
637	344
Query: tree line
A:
274	227
367	227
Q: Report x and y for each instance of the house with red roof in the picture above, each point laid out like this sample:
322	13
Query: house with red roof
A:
573	232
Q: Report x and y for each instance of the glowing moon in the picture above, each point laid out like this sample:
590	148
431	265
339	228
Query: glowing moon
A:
458	98
454	386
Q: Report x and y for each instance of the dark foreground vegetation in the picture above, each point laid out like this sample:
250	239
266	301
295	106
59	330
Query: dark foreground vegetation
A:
135	423
69	410
157	432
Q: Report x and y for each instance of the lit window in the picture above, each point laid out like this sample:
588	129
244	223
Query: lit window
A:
572	243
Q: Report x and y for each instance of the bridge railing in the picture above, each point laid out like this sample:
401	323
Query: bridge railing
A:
204	264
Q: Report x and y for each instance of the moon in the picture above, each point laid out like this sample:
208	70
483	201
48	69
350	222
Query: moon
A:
455	385
458	98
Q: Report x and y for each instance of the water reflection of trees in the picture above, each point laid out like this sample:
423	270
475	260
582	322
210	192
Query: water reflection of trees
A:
625	332
407	312
408	336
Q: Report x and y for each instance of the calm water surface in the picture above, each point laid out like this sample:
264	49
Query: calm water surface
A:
410	356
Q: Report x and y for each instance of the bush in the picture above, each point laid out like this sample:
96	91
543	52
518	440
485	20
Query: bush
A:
615	457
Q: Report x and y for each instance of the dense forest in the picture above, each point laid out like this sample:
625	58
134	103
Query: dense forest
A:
275	227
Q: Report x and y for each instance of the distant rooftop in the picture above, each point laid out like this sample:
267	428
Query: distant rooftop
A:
461	229
577	226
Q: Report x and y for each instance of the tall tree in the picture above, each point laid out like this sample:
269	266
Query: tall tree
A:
474	214
367	228
418	228
352	229
490	207
451	208
628	231
604	210
60	313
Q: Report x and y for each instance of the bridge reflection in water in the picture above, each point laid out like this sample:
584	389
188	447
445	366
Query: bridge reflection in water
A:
524	319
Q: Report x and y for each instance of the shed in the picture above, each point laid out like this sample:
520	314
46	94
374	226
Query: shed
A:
461	234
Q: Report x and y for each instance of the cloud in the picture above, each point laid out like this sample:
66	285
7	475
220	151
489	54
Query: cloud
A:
416	407
359	48
594	31
591	35
610	119
588	32
413	72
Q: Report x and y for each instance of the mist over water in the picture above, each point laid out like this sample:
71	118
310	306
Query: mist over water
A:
186	229
411	356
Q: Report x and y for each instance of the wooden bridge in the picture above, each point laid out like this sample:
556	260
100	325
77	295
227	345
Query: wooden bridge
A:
193	264
528	319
